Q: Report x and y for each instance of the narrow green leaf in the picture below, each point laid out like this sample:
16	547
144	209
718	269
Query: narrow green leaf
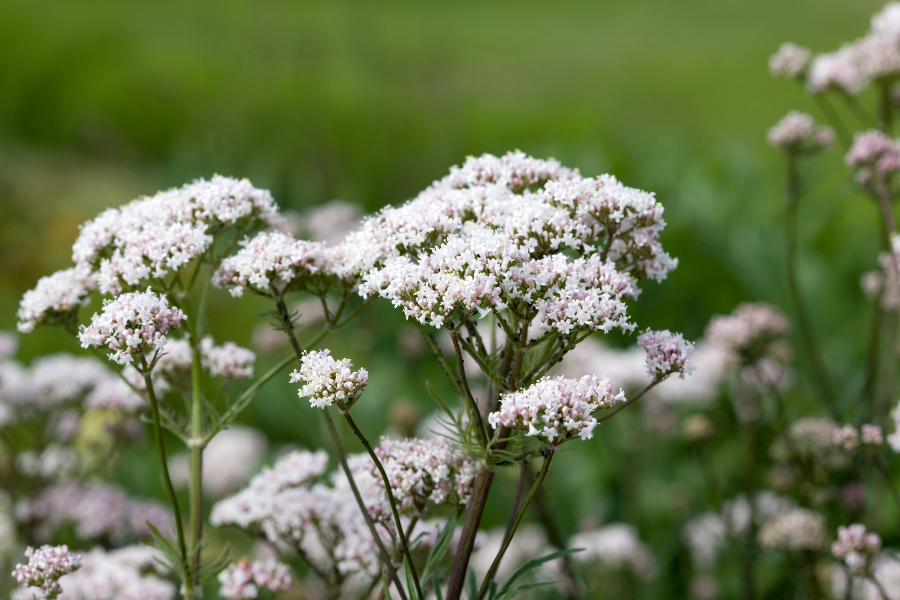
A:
471	584
439	400
410	584
437	588
514	591
386	586
533	564
440	549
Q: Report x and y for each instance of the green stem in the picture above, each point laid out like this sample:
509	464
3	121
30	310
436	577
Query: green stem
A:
473	406
792	195
404	543
161	448
195	490
342	458
628	403
548	456
832	117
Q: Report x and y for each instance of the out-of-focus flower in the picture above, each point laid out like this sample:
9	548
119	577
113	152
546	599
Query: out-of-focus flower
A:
53	463
331	222
529	543
615	546
556	409
667	353
56	298
111	575
837	70
132	326
798	132
894	438
790	61
749	331
45	567
798	529
884	567
856	547
96	511
9	343
228	361
327	381
425	473
229	460
847	437
873	155
705	536
244	579
697	428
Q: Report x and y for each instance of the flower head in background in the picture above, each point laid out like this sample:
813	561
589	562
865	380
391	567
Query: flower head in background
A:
614	546
228	361
667	353
56	299
45	567
855	547
244	579
797	529
874	156
751	332
133	325
835	71
556	409
798	133
328	381
790	61
425	473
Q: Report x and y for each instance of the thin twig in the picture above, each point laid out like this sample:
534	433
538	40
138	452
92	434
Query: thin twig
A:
628	403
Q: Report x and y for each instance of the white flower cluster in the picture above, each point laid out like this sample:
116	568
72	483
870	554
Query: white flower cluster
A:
749	332
556	409
796	529
425	473
244	579
56	298
614	546
873	57
96	511
290	504
855	547
798	132
790	61
873	155
45	567
327	381
270	264
151	237
132	325
893	439
129	573
52	463
667	353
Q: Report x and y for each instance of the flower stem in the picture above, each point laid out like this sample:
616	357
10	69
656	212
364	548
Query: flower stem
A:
404	543
548	456
473	406
161	448
342	458
628	403
792	195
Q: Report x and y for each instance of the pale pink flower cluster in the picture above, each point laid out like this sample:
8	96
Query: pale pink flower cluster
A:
228	361
615	546
749	331
884	567
120	574
836	70
243	580
493	232
556	409
798	132
873	155
133	325
56	298
797	529
530	542
151	237
425	473
331	222
270	264
52	463
96	511
855	547
850	438
790	61
327	381
667	353
45	567
229	460
57	379
289	503
9	343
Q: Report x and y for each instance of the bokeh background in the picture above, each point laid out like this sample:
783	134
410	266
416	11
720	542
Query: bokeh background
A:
369	102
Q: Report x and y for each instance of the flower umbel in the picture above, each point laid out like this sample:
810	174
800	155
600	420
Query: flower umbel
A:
667	353
45	567
328	381
132	326
243	580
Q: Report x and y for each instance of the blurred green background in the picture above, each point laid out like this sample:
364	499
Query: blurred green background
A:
101	102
